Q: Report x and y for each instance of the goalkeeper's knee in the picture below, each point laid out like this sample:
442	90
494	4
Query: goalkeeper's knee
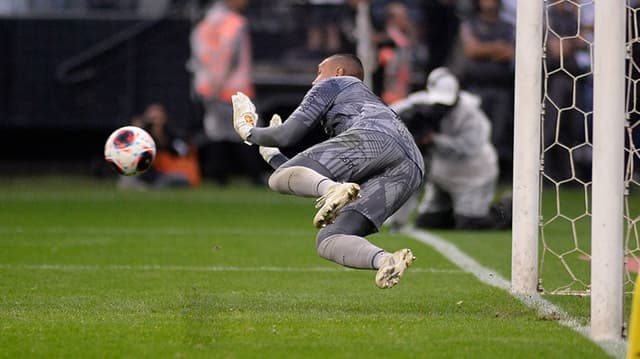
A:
348	222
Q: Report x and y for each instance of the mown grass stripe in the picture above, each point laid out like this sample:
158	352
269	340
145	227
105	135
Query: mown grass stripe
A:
117	267
156	231
616	348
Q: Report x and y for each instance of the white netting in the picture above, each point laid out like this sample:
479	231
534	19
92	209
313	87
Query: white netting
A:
565	192
632	152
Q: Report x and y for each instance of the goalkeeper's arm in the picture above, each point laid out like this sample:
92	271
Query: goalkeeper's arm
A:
285	135
272	155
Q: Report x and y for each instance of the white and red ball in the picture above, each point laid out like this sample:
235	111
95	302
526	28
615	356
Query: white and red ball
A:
130	150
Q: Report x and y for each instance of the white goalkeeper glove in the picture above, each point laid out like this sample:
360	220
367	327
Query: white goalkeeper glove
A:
244	115
269	152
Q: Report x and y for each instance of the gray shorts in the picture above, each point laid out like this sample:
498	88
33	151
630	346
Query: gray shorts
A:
374	160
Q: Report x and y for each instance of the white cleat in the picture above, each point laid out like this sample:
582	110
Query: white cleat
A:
331	203
393	267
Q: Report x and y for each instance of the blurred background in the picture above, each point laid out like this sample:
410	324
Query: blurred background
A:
72	71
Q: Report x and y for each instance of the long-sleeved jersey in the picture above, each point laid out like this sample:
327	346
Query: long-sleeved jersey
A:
339	104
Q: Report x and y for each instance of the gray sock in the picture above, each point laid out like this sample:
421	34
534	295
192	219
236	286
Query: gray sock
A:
349	251
378	258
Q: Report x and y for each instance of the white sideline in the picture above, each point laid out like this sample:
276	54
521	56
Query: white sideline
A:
617	348
176	268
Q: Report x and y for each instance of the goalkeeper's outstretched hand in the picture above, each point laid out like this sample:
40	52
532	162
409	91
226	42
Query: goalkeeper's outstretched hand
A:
244	115
269	152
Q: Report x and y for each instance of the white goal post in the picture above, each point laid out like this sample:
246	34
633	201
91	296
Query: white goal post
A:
526	156
607	187
607	259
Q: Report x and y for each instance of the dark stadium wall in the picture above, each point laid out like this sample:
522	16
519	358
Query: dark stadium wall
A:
65	84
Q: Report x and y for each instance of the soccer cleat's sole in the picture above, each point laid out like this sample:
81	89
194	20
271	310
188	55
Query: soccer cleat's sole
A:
331	203
393	267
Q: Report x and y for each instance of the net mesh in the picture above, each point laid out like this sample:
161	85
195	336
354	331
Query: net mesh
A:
566	153
632	152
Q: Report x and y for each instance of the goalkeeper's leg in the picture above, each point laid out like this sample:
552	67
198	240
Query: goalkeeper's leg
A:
306	182
300	181
343	242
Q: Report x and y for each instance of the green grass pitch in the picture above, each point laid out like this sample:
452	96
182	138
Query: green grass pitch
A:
87	271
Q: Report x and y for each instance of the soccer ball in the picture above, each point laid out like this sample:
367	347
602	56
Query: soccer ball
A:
130	150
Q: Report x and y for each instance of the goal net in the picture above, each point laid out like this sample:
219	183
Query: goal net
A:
566	147
632	147
566	214
567	132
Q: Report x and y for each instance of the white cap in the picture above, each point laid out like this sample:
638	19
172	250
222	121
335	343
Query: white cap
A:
442	87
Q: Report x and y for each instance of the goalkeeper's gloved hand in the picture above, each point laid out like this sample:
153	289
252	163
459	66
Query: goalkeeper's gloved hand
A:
244	115
269	152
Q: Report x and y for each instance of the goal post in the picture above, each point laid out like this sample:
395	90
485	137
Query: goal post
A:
607	250
526	159
605	192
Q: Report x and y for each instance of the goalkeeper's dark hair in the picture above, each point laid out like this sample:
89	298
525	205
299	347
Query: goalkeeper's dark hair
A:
351	64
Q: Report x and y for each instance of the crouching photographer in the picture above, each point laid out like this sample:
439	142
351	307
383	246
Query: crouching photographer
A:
462	167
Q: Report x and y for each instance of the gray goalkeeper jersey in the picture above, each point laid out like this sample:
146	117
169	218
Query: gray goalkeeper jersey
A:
368	145
339	104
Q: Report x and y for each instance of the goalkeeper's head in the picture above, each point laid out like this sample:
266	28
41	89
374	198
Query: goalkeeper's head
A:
442	87
340	65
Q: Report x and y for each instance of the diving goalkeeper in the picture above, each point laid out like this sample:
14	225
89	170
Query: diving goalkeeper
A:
362	174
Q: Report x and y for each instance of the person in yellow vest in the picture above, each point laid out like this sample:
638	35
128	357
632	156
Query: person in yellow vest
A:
221	64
